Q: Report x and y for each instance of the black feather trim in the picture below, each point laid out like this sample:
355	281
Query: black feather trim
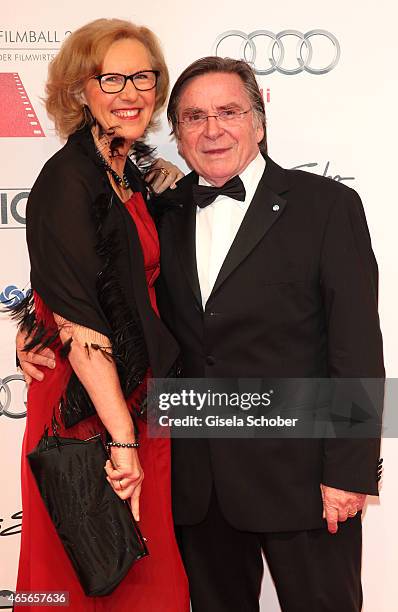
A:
143	155
129	350
128	343
65	350
75	404
23	312
38	334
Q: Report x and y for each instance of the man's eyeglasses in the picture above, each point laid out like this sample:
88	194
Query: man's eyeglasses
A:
194	120
115	83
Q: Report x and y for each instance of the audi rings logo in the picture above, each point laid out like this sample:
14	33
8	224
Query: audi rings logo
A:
13	396
275	56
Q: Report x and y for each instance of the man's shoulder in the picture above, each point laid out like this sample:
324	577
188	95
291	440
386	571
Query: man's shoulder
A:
175	200
309	181
183	189
313	195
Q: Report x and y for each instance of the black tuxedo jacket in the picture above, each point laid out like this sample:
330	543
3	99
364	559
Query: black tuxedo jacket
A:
296	297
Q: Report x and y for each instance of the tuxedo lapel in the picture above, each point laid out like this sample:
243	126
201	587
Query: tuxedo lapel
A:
186	235
264	210
184	226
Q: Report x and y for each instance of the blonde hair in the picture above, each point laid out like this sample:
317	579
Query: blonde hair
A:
81	57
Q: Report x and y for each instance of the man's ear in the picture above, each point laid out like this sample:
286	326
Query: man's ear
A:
259	134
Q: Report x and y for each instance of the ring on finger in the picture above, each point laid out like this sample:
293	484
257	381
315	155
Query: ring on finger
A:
352	512
164	171
120	484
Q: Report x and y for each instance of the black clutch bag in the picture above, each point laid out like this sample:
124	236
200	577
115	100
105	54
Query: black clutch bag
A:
96	527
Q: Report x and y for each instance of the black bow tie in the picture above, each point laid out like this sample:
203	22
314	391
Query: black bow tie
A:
203	195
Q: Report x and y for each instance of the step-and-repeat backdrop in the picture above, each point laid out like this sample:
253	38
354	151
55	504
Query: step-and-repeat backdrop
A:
328	73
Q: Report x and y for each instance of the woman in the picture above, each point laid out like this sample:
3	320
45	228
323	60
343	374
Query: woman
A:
94	259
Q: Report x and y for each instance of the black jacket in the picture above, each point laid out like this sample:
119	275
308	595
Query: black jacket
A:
296	297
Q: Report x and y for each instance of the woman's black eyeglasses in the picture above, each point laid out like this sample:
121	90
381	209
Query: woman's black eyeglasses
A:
112	82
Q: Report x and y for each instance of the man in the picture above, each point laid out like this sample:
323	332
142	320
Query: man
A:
280	282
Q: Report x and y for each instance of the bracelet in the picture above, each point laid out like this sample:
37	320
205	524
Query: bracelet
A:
123	444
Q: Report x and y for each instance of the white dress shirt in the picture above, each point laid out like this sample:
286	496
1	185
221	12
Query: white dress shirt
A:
218	224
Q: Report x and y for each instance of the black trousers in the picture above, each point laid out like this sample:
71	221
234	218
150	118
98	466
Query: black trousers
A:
313	571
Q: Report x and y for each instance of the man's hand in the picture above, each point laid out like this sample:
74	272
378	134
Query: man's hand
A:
29	360
339	505
163	174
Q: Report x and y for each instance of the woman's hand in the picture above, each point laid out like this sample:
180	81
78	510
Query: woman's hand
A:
162	175
29	360
125	476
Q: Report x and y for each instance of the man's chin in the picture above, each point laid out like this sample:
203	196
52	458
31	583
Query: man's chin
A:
218	173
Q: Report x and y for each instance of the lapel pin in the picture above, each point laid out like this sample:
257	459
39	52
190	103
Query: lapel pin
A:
275	207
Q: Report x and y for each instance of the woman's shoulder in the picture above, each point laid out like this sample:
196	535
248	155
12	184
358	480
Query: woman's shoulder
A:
72	171
68	184
76	157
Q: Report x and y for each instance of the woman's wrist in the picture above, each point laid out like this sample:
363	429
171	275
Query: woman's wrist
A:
123	434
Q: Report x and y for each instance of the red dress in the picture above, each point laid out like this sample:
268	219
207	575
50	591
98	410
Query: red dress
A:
156	583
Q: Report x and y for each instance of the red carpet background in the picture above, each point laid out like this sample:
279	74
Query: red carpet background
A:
17	117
